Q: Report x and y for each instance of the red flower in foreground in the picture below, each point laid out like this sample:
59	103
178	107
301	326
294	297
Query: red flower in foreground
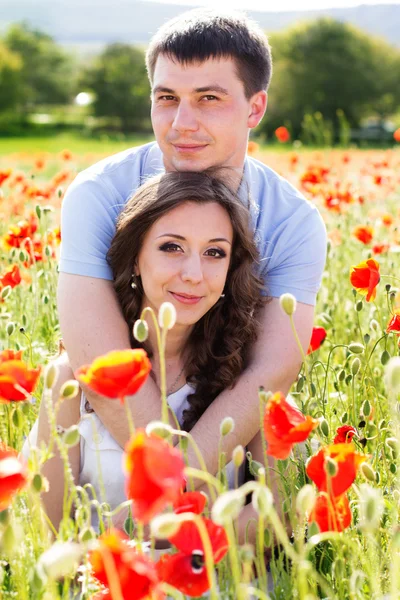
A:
190	502
118	566
317	339
17	381
364	233
12	277
155	474
347	462
331	514
364	277
284	426
13	475
186	570
345	434
117	374
10	355
394	323
282	134
396	135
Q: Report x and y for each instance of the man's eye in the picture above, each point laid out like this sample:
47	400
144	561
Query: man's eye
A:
209	97
166	98
169	247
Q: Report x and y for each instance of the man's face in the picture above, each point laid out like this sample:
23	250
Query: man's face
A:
200	114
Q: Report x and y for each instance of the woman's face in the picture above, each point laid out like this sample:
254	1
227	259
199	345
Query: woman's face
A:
185	259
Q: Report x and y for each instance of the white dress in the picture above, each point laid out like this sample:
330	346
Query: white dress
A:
101	457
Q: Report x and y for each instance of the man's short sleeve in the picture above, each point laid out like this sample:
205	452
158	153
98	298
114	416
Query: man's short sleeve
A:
88	215
295	259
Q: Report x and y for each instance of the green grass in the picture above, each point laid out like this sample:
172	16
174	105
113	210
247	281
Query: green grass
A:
79	144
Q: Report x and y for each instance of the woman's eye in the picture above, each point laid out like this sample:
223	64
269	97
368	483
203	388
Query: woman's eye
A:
169	247
216	252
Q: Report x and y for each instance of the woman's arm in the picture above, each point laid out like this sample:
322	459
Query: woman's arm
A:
68	415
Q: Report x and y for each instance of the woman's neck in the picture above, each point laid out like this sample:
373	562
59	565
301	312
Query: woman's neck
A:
175	343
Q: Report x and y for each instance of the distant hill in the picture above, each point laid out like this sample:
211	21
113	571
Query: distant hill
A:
86	25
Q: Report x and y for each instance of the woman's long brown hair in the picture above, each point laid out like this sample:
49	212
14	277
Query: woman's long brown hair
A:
219	345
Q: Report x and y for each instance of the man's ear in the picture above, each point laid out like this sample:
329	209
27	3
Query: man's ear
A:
258	106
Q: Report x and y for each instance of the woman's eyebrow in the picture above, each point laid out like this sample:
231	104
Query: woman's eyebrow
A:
181	237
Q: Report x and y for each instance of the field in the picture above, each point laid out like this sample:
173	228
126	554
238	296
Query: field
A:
335	533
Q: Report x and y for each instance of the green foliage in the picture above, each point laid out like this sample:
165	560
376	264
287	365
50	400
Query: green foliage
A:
119	81
10	78
325	65
46	71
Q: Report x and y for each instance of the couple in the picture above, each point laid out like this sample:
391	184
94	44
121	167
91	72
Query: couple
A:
209	73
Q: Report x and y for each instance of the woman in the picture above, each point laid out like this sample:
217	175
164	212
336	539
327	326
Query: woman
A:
183	238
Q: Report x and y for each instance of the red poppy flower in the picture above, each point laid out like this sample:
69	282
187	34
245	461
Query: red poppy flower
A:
364	277
345	434
186	570
317	339
284	426
190	502
347	462
396	135
117	374
331	514
10	355
364	233
380	248
282	134
394	323
116	564
17	380
4	174
13	475
12	277
155	474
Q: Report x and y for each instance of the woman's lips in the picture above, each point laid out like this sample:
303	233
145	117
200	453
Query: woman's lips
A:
185	299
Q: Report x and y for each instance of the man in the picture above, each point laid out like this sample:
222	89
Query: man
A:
209	74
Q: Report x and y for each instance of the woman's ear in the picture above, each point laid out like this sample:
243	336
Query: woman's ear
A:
136	269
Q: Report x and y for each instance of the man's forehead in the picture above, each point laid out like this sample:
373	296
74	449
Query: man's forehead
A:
169	74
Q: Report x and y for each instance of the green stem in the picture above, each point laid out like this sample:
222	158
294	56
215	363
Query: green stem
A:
200	459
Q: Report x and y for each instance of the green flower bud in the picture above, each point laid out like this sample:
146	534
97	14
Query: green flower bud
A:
356	348
71	436
10	328
288	304
86	535
331	467
246	553
392	375
167	525
227	426
61	559
392	443
262	501
167	315
368	471
374	325
140	330
359	305
371	507
50	376
385	357
37	482
324	427
5	292
366	408
227	507
263	395
69	389
163	430
16	418
38	211
238	456
341	375
355	366
305	500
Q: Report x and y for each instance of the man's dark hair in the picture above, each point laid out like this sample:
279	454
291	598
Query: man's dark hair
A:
201	34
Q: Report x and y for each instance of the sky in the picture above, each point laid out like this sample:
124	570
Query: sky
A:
282	5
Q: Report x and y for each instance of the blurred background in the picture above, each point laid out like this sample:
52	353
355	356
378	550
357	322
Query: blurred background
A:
73	73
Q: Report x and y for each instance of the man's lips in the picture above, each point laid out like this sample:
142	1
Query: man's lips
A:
189	147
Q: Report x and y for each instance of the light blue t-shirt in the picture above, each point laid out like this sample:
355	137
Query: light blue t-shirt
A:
289	231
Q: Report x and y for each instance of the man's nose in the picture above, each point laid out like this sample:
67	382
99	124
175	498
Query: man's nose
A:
192	269
185	118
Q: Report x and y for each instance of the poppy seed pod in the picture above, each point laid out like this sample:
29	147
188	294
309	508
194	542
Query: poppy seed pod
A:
227	426
227	507
69	390
167	315
140	330
165	526
288	304
262	501
50	376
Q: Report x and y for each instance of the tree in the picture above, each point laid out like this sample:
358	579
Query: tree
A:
47	71
326	65
119	81
10	78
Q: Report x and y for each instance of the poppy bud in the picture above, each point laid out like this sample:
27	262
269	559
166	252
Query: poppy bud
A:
371	507
366	408
167	315
355	366
262	501
374	325
165	526
38	210
263	395
324	427
5	292
331	467
392	443
385	357
288	304
163	430
368	472
10	328
227	426
61	559
86	535
392	374
305	499
71	436
140	330
227	506
238	456
69	390
50	376
356	348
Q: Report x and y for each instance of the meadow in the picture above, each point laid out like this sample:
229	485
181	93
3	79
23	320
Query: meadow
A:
335	533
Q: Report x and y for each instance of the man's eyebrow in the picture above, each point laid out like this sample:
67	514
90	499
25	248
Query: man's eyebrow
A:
213	87
180	237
